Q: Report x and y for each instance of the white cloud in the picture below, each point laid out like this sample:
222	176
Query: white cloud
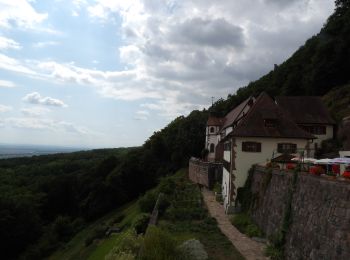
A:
7	84
19	13
7	43
11	64
45	44
141	115
36	98
35	111
178	54
4	108
187	51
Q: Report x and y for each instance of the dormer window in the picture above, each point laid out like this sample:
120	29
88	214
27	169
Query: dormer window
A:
212	129
270	122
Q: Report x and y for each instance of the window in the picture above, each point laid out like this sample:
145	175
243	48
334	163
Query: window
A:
286	148
316	130
251	147
227	146
212	129
212	147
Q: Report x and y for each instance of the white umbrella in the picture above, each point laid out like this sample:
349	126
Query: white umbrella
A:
305	160
343	160
323	161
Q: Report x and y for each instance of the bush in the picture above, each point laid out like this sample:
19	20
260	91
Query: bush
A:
193	249
159	245
63	228
163	204
217	188
167	186
118	219
127	248
141	222
273	252
147	202
253	230
245	225
97	233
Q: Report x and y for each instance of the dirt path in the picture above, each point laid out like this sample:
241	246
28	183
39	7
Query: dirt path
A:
249	248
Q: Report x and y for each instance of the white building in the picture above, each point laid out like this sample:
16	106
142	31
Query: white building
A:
257	131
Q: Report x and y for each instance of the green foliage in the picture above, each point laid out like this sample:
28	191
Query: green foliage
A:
159	245
141	222
97	233
274	253
244	194
217	187
128	247
245	225
147	202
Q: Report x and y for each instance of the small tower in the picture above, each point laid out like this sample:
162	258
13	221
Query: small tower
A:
211	137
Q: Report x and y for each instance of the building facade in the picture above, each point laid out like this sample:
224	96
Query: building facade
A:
256	131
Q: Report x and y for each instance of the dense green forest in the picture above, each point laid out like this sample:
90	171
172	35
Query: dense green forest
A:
45	200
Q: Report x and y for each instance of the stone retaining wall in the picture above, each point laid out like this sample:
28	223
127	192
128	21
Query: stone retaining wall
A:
205	173
320	219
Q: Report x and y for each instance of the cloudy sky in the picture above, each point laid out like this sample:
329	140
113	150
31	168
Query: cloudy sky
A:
108	73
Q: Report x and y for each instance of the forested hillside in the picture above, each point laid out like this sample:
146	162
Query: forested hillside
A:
44	200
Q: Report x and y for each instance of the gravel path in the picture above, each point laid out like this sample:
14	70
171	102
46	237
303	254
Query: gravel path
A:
249	248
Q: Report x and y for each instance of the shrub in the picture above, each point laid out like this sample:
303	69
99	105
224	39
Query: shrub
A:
97	233
217	188
245	225
127	248
159	245
147	202
118	219
141	222
273	252
167	186
193	249
63	228
253	230
163	204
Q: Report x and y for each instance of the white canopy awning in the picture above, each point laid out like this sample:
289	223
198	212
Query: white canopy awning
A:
323	161
342	160
305	160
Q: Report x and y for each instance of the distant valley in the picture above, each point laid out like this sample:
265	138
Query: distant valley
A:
14	151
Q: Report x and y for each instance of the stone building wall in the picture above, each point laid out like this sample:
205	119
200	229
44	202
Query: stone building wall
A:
320	215
204	173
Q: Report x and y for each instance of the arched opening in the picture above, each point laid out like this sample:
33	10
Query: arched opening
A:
212	129
212	147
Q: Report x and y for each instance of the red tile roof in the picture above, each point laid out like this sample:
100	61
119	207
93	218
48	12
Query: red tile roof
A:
253	124
215	121
232	116
305	109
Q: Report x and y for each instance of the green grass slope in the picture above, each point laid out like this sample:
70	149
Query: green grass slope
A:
184	218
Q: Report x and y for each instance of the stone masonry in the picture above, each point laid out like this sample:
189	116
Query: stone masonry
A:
320	219
205	173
